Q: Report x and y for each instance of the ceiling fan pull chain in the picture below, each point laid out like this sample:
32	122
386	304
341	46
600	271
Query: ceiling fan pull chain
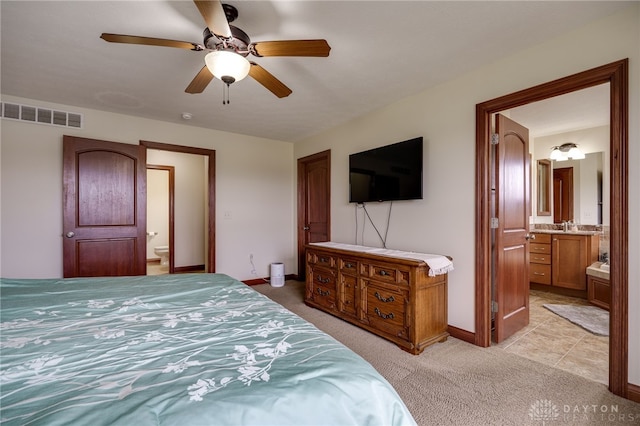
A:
225	94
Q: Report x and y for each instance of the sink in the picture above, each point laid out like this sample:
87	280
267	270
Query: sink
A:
605	267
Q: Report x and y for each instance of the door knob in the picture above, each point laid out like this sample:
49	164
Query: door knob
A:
306	228
530	237
70	234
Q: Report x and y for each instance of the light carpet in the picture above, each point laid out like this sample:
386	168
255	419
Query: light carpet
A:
591	318
456	383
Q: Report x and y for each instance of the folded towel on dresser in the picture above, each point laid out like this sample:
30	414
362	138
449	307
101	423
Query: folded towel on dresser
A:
438	264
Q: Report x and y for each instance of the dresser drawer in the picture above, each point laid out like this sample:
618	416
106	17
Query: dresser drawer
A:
348	266
540	248
348	286
387	273
323	287
386	310
544	259
321	259
539	273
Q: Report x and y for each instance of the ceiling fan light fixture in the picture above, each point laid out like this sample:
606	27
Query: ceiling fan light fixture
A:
227	65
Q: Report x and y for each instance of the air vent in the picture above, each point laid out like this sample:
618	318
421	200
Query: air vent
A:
41	115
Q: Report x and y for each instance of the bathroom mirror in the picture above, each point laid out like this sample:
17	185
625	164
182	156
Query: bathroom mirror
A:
588	200
544	188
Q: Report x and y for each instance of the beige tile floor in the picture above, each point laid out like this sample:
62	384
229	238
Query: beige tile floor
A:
554	341
156	269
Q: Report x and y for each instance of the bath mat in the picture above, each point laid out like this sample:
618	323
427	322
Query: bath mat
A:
591	318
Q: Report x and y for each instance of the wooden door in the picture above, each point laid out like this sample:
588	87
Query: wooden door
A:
512	183
104	204
314	207
562	195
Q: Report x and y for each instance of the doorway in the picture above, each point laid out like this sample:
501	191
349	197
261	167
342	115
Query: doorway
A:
209	195
160	219
314	206
616	74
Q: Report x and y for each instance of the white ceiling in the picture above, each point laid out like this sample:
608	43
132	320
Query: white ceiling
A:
382	51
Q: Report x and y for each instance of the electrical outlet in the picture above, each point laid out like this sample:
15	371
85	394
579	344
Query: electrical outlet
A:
227	214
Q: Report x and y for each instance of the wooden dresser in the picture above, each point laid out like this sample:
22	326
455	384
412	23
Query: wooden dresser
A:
392	297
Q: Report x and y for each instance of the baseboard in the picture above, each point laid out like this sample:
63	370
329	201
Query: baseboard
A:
153	260
464	335
185	269
266	280
633	392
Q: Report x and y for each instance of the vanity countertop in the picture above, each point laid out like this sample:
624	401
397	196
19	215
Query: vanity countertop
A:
596	271
559	231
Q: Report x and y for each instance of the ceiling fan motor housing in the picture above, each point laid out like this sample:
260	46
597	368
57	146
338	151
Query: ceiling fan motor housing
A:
239	41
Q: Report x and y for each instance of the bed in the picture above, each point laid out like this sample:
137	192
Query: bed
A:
189	349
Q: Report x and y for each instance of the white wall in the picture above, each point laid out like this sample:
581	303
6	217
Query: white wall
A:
254	184
445	115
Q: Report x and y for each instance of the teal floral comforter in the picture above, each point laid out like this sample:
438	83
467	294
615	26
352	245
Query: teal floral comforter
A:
194	349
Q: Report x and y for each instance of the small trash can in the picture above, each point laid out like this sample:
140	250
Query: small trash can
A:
277	274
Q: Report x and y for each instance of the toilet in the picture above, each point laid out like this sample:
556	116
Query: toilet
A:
163	252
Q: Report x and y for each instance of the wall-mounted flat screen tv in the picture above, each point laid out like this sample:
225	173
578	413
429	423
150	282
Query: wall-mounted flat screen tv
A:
388	173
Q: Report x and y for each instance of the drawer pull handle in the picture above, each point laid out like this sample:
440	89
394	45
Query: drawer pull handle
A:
383	316
384	273
323	280
323	260
348	265
382	299
538	273
322	293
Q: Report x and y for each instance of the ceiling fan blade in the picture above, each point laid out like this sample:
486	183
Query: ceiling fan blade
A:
271	83
214	16
150	41
200	82
291	48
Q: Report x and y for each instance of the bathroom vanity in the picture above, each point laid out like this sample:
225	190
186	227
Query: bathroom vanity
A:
598	286
560	259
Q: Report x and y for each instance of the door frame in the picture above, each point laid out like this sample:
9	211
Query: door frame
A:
302	196
172	210
617	75
211	192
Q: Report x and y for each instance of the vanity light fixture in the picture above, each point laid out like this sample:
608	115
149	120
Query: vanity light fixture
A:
566	151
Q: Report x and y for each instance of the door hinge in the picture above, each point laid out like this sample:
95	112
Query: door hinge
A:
494	223
495	139
494	306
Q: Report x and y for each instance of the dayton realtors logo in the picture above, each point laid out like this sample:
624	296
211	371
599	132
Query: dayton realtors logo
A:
546	411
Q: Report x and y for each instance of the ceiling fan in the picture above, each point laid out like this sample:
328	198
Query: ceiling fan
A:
228	48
